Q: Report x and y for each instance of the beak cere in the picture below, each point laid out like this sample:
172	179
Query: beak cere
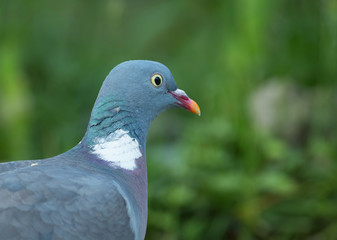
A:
185	102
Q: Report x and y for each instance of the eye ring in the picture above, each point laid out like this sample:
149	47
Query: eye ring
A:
156	80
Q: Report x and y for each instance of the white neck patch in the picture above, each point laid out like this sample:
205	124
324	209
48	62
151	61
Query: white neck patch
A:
119	149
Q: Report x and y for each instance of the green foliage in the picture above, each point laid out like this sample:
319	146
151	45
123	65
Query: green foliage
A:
260	162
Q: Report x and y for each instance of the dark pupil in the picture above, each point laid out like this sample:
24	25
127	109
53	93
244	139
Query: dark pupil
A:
157	81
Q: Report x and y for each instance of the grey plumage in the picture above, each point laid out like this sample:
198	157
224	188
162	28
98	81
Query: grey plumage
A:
54	200
82	195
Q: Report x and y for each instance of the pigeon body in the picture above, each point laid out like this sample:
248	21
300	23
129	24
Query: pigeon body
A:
98	189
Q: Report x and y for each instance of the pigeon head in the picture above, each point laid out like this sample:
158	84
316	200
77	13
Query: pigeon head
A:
132	95
145	86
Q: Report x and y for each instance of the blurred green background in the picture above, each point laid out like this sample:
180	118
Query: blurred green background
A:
260	162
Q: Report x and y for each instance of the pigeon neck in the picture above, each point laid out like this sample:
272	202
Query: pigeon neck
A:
108	118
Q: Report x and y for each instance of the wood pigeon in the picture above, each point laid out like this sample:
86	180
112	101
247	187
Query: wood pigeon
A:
98	189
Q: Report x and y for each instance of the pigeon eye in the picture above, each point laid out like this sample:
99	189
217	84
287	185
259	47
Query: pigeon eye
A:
156	80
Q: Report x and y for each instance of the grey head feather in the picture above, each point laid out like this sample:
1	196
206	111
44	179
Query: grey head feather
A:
128	100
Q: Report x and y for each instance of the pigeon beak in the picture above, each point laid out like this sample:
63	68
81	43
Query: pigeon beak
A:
185	102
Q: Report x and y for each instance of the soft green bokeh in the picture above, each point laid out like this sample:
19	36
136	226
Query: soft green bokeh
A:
260	162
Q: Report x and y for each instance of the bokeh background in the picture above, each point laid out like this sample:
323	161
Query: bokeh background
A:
260	162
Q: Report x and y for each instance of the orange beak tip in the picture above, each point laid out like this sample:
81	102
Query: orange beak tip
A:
195	108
